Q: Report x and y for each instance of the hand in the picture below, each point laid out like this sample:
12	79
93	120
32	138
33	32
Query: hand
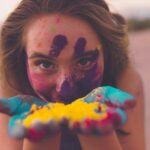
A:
106	104
111	96
18	107
107	113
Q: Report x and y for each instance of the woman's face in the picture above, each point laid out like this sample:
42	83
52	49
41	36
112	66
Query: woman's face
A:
64	58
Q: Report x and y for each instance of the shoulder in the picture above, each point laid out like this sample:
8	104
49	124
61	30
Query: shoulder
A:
130	81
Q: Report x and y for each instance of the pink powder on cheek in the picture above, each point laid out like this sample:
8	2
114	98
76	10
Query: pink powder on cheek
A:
92	78
99	75
39	82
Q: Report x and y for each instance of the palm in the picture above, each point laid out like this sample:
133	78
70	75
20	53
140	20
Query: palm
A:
116	102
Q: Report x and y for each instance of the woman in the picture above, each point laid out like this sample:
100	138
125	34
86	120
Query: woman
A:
50	47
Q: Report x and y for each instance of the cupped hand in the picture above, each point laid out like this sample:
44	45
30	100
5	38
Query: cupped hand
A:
99	112
18	108
111	96
103	111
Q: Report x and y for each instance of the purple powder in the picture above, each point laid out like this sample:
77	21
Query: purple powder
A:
92	79
58	44
94	54
79	47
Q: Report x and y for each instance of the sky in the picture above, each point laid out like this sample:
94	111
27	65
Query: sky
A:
128	8
131	8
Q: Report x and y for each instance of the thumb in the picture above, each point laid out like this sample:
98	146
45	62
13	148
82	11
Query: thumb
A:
117	98
19	104
9	106
111	96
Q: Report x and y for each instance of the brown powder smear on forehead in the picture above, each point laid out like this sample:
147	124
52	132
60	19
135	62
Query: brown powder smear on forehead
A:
39	45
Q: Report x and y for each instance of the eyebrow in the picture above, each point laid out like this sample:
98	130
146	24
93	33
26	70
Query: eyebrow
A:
94	52
85	53
40	55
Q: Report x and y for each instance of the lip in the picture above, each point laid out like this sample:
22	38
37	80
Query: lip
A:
55	100
61	99
58	99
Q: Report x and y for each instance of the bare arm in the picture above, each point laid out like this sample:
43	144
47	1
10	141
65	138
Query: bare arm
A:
51	143
107	142
130	81
7	143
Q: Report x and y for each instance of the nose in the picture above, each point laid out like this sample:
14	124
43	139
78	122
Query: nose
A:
65	84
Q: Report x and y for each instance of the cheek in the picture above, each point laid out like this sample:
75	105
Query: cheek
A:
38	82
92	78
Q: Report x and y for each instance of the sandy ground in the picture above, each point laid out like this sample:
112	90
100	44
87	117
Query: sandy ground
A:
140	52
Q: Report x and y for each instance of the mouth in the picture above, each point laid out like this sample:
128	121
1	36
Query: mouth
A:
62	99
55	98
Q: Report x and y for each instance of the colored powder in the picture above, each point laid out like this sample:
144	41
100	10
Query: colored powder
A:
74	112
79	47
58	44
53	29
99	47
91	80
94	54
39	45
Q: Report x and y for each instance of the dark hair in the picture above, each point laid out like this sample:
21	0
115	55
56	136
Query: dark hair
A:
111	29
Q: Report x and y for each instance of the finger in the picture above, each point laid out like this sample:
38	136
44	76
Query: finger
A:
36	132
40	124
53	127
117	98
31	100
26	102
16	128
111	96
9	106
87	126
115	119
40	130
19	104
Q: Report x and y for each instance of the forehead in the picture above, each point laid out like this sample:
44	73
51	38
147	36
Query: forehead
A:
45	28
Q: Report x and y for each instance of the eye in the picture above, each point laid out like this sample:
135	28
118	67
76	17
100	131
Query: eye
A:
45	65
85	62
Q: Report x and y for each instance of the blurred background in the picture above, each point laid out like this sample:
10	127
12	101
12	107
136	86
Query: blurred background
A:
137	14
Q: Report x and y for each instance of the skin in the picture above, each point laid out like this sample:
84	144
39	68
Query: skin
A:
66	64
68	77
128	81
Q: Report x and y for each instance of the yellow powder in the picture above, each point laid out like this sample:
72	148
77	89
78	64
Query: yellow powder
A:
74	112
